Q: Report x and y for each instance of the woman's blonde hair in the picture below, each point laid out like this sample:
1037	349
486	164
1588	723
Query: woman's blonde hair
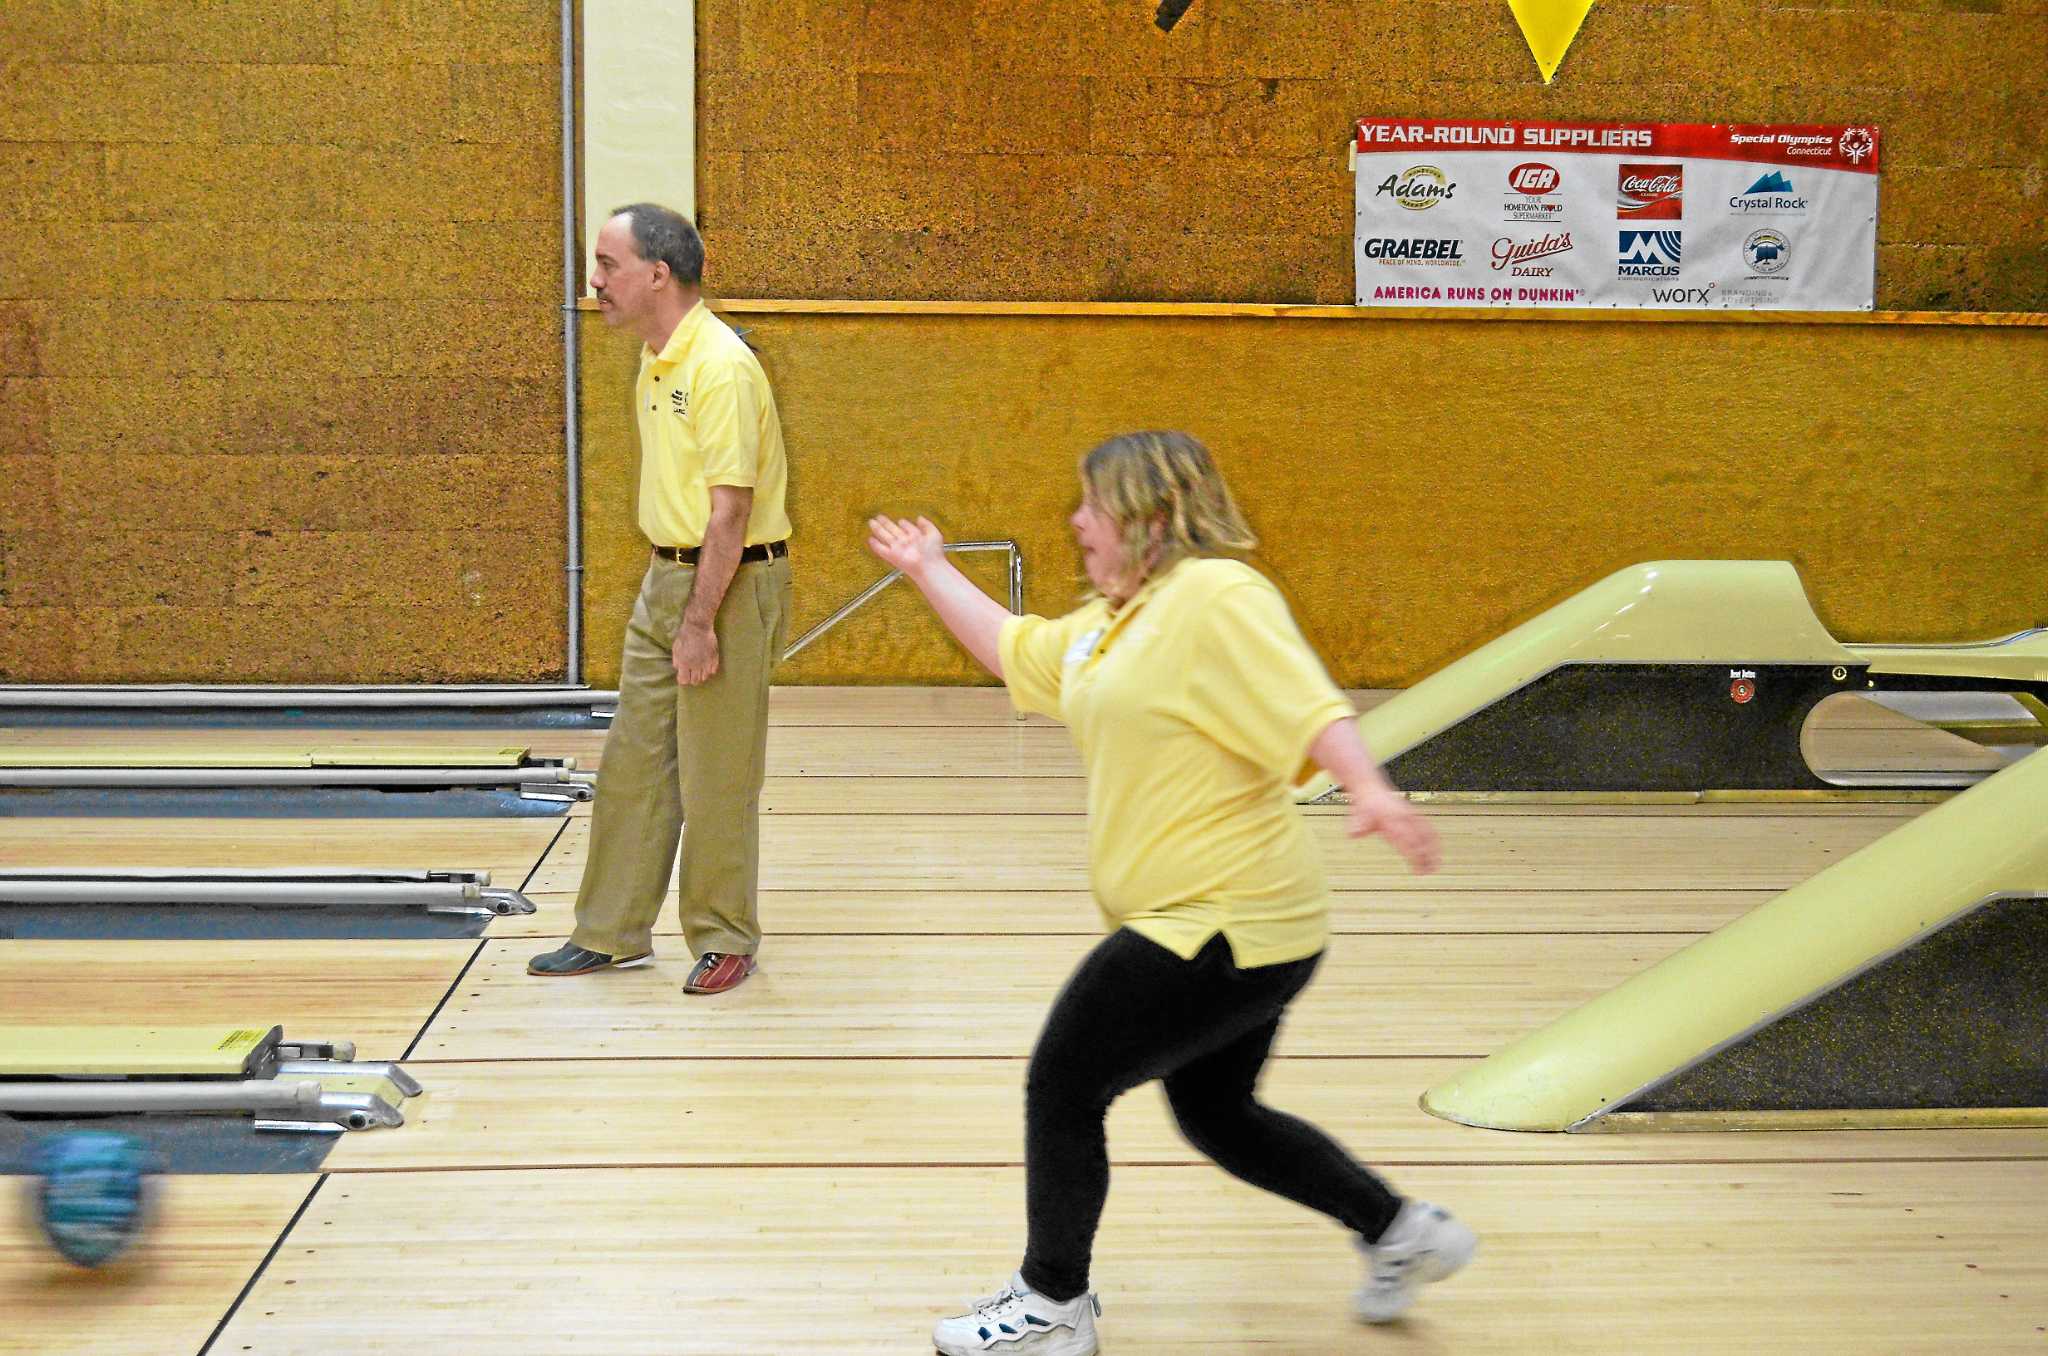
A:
1168	479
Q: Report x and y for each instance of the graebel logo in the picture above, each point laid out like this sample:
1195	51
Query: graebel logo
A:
1402	250
1651	192
1417	188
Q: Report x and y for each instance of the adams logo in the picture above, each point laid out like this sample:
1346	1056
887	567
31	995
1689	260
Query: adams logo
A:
1418	188
1649	254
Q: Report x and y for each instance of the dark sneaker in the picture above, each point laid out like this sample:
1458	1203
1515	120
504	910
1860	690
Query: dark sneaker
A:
571	959
718	971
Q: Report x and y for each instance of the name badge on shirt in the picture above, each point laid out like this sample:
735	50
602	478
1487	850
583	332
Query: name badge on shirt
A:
679	401
1079	651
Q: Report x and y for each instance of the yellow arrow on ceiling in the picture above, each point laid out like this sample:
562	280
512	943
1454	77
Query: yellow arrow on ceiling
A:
1549	26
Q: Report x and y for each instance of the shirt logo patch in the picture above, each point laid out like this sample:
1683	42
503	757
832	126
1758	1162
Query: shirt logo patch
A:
679	401
1079	651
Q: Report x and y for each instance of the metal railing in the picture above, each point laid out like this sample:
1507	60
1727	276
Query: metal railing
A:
867	595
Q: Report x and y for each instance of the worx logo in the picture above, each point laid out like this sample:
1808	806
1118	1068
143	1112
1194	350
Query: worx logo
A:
1681	296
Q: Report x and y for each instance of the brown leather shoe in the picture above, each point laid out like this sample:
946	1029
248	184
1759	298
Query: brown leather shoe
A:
718	971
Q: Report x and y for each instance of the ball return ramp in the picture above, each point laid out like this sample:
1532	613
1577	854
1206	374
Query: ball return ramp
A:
1693	676
1904	986
208	1099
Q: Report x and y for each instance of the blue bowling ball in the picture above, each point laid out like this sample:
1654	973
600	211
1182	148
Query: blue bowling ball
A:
92	1193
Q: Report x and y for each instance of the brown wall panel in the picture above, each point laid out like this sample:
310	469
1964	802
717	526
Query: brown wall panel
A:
1420	484
280	339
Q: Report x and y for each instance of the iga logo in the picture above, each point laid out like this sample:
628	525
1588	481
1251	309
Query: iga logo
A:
1767	252
1649	254
1533	194
1417	188
1651	192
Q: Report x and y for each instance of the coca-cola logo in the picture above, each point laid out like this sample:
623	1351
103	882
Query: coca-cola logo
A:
1655	192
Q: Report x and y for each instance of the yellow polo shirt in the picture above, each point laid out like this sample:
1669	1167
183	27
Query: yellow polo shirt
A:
707	418
1194	706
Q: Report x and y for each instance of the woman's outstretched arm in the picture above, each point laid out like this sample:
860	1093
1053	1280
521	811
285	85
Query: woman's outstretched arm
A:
917	549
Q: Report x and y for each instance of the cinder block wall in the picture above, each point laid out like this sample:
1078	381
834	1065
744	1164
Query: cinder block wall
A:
1067	149
280	360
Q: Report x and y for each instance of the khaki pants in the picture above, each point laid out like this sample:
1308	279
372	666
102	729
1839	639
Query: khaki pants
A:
677	751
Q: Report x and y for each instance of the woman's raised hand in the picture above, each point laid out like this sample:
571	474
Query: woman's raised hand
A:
906	546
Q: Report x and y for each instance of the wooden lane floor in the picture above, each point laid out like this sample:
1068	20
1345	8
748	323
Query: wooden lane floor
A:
858	1113
832	913
1648	1258
965	732
900	997
1485	884
508	848
167	1295
1500	851
378	994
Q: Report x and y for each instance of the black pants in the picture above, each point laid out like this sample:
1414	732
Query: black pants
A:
1134	1012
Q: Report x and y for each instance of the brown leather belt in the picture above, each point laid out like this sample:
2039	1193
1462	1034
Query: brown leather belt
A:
687	555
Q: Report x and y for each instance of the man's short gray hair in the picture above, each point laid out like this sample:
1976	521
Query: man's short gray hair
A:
664	234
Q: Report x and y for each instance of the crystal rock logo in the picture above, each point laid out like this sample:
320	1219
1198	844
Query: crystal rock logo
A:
1767	252
1772	193
1649	254
1651	192
1418	188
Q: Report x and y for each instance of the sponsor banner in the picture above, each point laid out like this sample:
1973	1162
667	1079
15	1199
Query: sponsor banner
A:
1654	215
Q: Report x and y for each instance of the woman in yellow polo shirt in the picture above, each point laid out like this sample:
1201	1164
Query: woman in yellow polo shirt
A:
1197	706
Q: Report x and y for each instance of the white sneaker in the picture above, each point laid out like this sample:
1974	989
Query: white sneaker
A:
1422	1245
1016	1320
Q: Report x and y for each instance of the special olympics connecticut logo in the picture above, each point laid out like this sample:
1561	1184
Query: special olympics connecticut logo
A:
1857	142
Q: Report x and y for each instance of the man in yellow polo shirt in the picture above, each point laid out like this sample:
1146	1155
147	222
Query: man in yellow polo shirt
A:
691	733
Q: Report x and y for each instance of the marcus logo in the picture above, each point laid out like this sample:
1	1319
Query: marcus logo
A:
1649	254
679	401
